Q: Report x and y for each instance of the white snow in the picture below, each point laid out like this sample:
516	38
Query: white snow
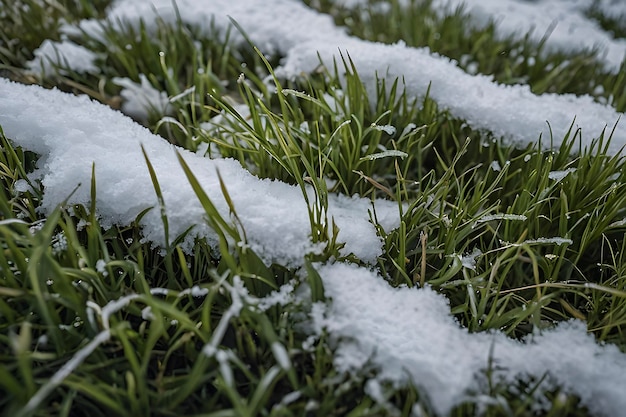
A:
615	9
146	313
101	267
558	176
542	241
408	335
281	355
563	21
469	260
490	217
195	291
51	56
511	112
75	129
140	99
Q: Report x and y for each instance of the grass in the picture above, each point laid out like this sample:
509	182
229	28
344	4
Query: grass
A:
510	60
189	336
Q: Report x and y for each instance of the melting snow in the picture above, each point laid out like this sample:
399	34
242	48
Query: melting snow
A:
469	260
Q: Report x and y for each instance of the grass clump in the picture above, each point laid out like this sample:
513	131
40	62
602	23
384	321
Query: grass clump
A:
97	322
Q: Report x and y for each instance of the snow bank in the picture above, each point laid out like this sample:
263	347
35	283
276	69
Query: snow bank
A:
511	112
408	335
72	133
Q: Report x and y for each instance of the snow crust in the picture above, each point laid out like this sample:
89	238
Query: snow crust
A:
73	133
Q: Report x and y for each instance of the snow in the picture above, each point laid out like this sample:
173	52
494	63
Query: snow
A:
563	21
67	54
558	176
195	291
281	355
614	9
404	334
281	297
407	335
140	99
469	260
511	112
76	129
101	267
495	165
146	313
490	217
542	241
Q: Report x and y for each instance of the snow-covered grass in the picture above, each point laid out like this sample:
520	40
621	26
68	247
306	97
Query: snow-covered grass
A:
395	232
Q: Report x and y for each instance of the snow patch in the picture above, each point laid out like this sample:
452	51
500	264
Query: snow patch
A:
52	56
104	137
407	335
142	99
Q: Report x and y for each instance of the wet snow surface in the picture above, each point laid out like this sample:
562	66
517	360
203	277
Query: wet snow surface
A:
405	335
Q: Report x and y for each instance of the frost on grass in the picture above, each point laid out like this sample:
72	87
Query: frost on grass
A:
558	176
469	260
511	112
74	129
407	335
543	241
490	217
